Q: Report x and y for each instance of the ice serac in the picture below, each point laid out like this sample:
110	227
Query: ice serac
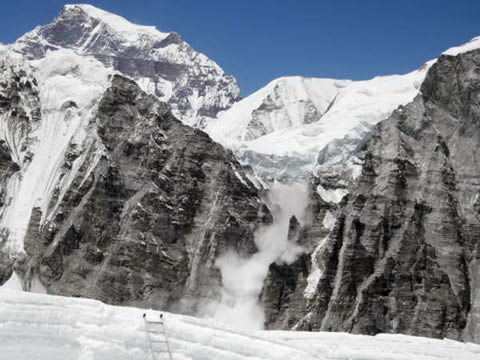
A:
162	63
403	253
281	128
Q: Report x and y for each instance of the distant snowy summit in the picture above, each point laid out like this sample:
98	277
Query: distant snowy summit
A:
294	123
162	63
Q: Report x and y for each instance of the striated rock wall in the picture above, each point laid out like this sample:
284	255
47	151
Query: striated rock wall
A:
143	224
403	254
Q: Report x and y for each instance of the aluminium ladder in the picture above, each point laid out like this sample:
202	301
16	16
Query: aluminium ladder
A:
158	340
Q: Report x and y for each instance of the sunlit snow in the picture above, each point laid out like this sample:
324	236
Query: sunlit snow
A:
272	121
45	327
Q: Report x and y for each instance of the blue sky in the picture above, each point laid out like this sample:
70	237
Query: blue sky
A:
259	40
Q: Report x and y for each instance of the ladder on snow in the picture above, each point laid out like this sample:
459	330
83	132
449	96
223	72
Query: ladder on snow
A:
158	340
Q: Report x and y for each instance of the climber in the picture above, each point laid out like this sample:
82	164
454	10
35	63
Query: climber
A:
144	315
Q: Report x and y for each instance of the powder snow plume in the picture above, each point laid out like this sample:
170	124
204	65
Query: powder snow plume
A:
242	277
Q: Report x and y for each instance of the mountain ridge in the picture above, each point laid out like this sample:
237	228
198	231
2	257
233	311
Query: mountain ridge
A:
162	63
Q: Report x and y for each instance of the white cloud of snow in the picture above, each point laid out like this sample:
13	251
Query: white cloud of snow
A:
243	278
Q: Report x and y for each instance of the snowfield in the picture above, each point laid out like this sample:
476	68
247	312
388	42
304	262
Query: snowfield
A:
46	327
291	119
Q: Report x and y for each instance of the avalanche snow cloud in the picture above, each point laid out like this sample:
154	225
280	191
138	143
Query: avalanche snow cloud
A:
243	277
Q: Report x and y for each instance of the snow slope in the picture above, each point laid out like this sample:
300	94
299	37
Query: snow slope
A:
132	33
471	45
70	87
283	103
296	117
45	327
291	119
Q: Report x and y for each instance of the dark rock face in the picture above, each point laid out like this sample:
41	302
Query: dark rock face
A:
403	256
194	86
284	295
144	226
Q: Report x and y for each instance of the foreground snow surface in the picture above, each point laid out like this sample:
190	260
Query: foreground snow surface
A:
45	327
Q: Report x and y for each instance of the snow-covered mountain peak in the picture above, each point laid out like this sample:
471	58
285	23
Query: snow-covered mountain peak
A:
131	32
88	25
283	103
281	128
163	64
469	46
287	123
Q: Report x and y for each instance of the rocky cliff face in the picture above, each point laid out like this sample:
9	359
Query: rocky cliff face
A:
105	194
403	254
144	223
163	64
289	288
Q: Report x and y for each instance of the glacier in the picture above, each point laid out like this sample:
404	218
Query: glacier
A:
281	129
46	327
294	118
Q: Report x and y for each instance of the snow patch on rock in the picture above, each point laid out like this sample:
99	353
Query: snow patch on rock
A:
70	86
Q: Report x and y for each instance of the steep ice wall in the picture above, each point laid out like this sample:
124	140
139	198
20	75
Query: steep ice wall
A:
291	119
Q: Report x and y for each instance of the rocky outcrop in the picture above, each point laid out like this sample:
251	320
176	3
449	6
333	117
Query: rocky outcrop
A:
194	86
403	254
151	206
288	288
